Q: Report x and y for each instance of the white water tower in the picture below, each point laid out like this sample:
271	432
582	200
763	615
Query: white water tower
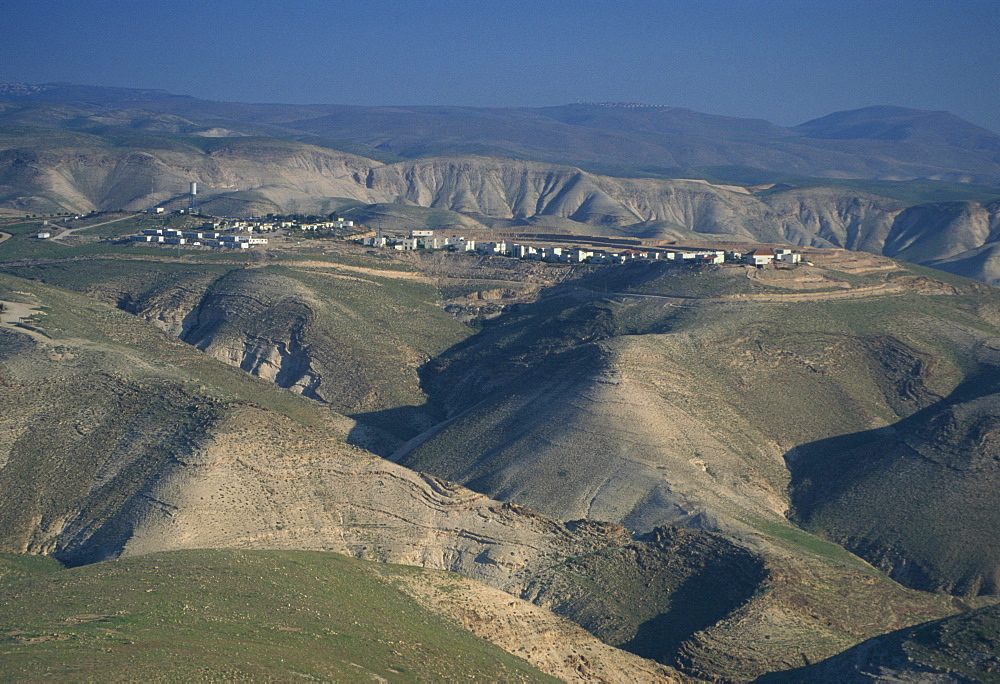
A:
194	196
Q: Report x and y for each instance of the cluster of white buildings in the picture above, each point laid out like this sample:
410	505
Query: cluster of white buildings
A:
764	257
320	225
580	255
425	239
246	225
263	225
420	239
170	236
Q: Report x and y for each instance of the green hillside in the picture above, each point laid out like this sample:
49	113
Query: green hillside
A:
233	615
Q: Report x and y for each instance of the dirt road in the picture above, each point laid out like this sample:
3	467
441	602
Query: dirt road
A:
12	314
69	231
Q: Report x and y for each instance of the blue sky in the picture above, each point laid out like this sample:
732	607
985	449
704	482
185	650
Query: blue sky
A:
782	60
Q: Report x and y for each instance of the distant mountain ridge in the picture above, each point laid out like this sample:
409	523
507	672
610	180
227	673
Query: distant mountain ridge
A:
899	143
613	169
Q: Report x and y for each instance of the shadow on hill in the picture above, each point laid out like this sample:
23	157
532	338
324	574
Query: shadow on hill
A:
963	647
650	596
523	346
697	603
918	499
396	425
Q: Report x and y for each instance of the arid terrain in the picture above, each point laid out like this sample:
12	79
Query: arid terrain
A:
915	185
639	472
324	459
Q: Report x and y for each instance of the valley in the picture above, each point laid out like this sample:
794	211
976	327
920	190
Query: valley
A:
648	449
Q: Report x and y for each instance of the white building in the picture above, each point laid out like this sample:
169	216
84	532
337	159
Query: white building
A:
759	257
787	256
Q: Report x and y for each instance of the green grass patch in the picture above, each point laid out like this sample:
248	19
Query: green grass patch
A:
15	568
382	261
235	615
82	275
816	546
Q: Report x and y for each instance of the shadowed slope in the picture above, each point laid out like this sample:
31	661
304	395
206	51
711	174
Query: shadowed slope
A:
962	648
255	466
645	410
919	499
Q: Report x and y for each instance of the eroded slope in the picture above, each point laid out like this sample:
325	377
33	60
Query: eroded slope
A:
254	466
648	408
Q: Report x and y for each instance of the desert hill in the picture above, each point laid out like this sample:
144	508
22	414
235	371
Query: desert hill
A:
666	472
54	171
134	442
644	395
888	180
247	615
962	648
900	123
670	397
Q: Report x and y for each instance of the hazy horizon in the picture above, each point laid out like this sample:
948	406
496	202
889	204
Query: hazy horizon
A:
786	62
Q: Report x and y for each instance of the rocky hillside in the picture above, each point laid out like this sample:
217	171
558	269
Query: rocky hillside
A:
963	648
81	172
716	398
128	441
707	399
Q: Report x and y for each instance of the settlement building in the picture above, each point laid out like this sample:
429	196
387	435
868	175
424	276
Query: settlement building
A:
759	257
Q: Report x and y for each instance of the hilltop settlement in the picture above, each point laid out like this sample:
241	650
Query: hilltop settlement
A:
426	239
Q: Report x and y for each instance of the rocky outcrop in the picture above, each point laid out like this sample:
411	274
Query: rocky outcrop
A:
554	645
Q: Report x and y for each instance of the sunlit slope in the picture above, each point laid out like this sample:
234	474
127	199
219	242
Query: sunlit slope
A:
123	441
352	339
646	409
232	461
645	395
235	615
119	439
44	170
